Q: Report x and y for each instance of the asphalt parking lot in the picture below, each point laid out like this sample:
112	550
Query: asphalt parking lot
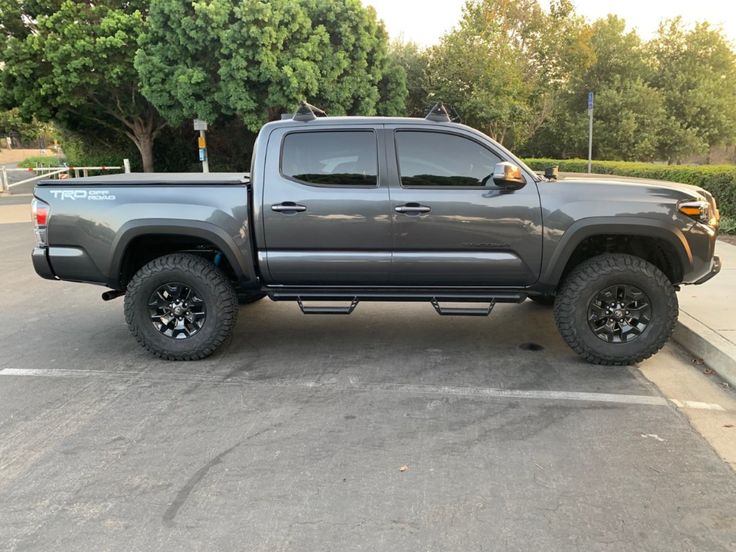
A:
391	429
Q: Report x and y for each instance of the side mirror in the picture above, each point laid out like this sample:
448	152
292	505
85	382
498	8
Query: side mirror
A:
509	176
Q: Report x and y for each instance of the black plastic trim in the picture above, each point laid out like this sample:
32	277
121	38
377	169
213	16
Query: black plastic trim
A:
626	226
41	264
243	265
716	268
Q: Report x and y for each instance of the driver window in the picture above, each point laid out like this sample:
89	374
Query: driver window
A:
430	159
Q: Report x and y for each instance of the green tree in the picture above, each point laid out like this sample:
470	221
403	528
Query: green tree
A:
414	62
488	88
14	125
507	64
696	72
629	113
72	63
257	59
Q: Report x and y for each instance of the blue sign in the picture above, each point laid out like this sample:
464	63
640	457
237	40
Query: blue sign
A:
590	101
202	154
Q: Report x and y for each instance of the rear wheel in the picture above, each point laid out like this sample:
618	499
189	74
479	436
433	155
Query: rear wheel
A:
180	307
616	309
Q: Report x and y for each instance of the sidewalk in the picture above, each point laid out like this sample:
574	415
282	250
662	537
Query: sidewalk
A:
707	324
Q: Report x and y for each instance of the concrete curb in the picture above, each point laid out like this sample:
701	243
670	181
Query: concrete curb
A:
716	351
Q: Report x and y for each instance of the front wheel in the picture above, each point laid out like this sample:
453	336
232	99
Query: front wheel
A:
180	307
616	309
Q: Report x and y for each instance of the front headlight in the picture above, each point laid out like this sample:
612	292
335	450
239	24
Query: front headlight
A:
700	210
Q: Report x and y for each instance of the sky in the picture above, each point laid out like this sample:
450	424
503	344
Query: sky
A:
424	21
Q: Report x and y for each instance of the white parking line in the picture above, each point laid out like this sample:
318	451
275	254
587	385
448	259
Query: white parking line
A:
353	384
697	405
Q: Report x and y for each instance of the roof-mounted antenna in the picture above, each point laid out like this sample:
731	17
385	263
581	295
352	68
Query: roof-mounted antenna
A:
308	112
438	113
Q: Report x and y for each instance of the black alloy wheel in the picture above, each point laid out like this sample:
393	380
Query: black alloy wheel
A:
619	314
177	310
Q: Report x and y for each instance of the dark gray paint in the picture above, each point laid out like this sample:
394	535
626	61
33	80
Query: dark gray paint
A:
352	237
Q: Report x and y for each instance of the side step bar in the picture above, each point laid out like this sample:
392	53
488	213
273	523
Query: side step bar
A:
327	310
462	311
302	296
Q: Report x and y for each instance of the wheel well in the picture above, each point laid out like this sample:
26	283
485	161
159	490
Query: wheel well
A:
143	249
657	251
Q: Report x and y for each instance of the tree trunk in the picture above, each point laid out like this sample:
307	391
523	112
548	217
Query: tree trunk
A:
144	144
274	113
143	132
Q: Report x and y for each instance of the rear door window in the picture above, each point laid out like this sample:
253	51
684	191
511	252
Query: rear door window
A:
331	158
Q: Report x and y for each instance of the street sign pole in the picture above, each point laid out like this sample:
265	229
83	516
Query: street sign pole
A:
590	131
201	126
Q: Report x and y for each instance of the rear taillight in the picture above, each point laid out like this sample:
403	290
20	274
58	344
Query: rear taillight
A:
40	212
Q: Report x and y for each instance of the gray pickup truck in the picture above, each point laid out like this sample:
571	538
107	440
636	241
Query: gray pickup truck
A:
338	210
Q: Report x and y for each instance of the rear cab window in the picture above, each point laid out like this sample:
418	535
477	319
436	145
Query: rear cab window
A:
331	158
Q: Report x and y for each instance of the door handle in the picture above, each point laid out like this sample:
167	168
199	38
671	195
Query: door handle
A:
412	209
288	207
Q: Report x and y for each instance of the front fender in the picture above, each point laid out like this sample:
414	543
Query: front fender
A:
557	253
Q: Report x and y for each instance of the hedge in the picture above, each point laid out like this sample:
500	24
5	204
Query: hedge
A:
40	161
719	180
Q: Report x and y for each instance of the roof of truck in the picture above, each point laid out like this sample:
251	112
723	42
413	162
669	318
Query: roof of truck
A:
353	120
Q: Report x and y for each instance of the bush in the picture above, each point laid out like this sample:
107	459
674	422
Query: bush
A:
728	225
41	161
719	180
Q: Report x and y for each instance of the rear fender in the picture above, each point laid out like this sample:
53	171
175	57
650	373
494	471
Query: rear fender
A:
240	258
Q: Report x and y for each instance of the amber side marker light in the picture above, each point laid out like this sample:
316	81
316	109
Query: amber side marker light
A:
698	210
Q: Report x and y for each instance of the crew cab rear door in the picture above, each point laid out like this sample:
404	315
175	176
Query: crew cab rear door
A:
325	206
452	225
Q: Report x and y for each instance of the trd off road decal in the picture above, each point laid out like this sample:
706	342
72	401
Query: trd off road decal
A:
90	195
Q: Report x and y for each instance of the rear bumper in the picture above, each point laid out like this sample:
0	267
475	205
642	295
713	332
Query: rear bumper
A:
41	263
715	269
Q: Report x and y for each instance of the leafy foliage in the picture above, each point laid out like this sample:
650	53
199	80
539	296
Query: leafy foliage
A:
413	61
24	131
40	161
258	59
72	62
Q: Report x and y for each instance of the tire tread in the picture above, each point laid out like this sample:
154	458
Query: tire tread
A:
226	303
567	303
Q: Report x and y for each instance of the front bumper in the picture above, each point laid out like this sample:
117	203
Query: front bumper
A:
41	264
715	269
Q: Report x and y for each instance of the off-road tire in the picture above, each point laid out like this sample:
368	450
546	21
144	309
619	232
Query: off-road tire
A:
210	283
248	298
544	300
598	273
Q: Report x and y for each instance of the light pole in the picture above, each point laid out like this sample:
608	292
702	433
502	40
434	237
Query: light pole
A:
590	131
201	126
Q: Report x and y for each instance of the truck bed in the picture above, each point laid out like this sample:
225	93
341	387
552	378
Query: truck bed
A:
155	179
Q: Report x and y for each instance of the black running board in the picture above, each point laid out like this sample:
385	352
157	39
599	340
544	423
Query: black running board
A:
435	297
449	295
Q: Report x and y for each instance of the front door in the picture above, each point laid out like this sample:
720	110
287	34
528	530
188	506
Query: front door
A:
326	208
452	225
